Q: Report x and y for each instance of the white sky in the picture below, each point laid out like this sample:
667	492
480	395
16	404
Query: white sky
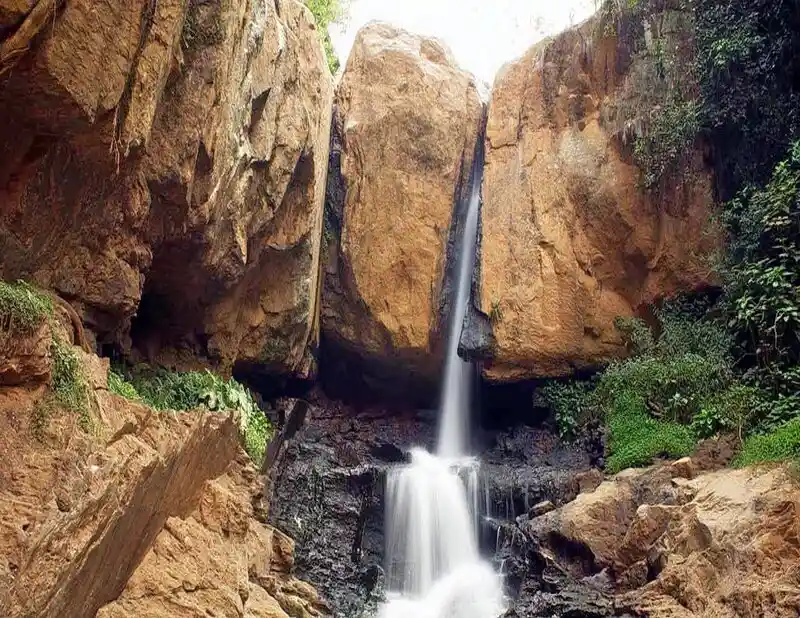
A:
483	34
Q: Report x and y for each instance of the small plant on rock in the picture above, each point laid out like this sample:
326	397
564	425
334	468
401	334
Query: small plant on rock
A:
23	308
166	390
70	386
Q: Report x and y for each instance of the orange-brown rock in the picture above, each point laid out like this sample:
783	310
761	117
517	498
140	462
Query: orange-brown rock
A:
406	129
725	544
169	159
217	558
12	12
24	357
149	514
570	239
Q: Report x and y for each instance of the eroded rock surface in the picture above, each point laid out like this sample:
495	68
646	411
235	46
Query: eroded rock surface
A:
122	511
406	128
169	159
570	238
723	544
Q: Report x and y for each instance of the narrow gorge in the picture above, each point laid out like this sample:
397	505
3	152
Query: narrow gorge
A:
392	343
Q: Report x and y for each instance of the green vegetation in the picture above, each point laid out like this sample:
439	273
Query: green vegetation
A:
70	387
23	308
781	444
325	13
722	73
164	390
572	405
118	385
636	438
763	286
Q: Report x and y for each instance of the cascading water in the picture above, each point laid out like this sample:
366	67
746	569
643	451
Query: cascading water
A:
434	566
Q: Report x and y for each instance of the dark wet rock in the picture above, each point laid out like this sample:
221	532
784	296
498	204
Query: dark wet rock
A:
327	493
327	490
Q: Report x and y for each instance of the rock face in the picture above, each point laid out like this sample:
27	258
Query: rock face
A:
148	515
722	544
177	152
570	239
405	134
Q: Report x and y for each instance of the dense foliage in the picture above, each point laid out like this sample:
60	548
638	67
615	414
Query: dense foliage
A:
725	73
763	286
673	390
748	68
325	13
165	390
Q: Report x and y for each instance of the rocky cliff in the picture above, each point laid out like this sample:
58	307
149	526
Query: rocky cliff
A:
571	239
163	167
405	131
122	511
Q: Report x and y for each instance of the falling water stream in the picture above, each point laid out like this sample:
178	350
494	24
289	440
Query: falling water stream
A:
434	566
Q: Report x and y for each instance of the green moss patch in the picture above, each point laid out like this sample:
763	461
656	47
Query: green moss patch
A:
636	438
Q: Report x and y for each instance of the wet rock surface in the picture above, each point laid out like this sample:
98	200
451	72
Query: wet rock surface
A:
328	494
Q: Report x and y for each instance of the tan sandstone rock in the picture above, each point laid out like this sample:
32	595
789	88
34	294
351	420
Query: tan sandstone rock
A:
570	240
169	159
148	515
219	559
406	131
729	548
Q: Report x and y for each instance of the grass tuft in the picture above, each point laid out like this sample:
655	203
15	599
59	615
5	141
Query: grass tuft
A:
780	445
23	308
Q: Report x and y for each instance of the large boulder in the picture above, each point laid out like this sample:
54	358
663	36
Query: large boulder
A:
722	544
405	134
169	160
570	238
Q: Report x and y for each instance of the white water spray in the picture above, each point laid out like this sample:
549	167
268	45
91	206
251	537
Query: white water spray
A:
434	567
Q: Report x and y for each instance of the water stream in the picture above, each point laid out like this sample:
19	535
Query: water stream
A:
433	564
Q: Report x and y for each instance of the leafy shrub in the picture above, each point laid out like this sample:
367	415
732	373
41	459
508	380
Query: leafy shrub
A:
637	335
679	382
572	404
763	278
120	386
325	13
636	438
687	329
728	411
164	390
673	388
780	445
23	308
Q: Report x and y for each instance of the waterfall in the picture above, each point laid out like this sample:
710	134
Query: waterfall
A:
434	567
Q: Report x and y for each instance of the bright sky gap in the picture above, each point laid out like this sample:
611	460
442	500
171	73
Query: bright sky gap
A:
483	34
